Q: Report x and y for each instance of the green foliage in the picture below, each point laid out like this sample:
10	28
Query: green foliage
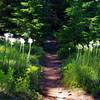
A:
36	18
17	77
70	21
22	84
26	17
81	23
76	19
82	71
6	80
63	53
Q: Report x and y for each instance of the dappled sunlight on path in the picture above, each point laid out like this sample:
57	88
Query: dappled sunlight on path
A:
52	87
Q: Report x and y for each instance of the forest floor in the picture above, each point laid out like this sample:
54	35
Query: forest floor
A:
52	87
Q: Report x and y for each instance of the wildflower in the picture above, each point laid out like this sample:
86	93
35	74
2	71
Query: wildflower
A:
90	47
97	43
91	42
30	41
85	47
79	46
7	36
12	40
22	41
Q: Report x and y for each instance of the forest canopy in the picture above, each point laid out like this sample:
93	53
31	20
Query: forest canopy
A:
78	19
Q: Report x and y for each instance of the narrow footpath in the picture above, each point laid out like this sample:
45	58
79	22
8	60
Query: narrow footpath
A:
52	88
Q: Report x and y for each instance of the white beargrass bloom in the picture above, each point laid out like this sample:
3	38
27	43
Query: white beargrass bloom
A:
91	42
85	47
6	36
97	43
30	41
94	44
90	47
12	40
79	46
22	41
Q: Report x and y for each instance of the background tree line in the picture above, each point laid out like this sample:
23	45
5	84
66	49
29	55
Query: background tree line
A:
69	21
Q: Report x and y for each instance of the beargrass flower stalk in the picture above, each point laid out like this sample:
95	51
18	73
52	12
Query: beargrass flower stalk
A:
30	41
85	54
97	43
88	53
22	43
6	36
69	49
79	47
12	41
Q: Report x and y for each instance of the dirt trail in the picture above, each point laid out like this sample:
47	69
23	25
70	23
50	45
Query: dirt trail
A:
52	88
52	77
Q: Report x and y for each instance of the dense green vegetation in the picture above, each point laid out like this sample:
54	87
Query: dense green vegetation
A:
20	73
81	26
70	22
82	69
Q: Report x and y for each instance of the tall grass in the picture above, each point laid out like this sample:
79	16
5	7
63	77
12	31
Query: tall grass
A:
83	69
20	71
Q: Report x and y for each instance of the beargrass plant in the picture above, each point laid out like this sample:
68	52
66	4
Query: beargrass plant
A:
17	75
30	41
82	70
5	43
